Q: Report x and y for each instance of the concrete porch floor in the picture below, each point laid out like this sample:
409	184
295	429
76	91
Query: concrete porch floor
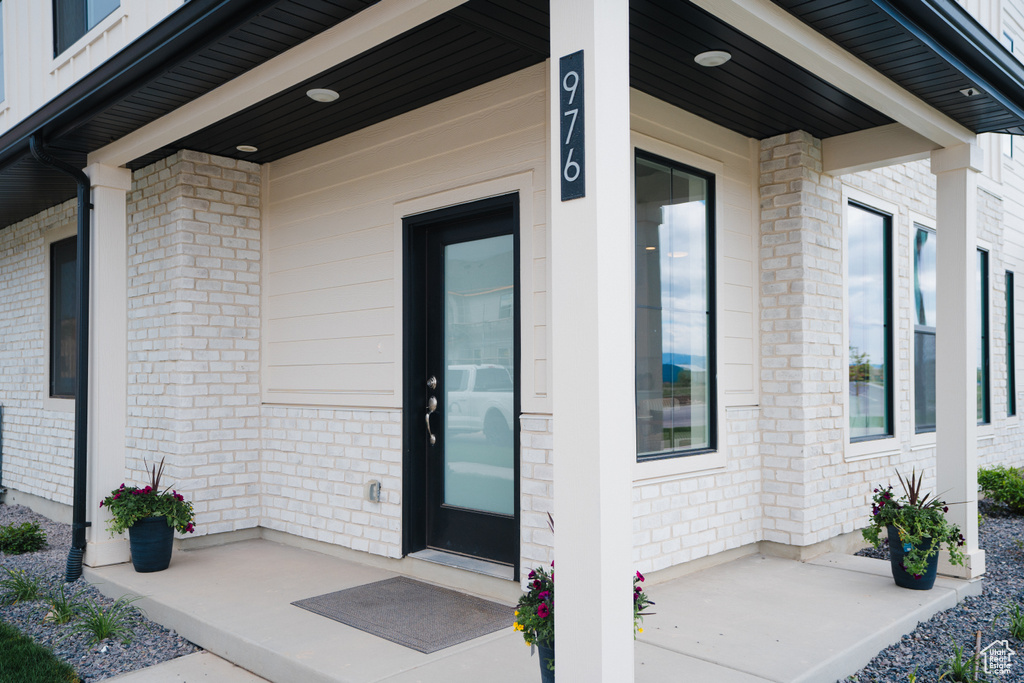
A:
753	619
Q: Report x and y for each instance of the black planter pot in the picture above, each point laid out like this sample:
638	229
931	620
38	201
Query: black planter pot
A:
547	654
900	575
151	541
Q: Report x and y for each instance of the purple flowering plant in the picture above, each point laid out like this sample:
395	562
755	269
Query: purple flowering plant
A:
129	504
920	520
535	612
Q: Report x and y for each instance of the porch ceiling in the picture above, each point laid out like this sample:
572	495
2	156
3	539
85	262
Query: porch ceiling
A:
208	42
931	48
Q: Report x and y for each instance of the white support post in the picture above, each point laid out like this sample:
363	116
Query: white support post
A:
593	352
108	356
956	345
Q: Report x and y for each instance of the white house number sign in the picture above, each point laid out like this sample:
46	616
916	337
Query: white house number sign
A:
570	70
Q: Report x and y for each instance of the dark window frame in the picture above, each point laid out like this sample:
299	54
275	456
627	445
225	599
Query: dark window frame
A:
888	326
985	341
922	330
1011	346
62	252
711	313
71	22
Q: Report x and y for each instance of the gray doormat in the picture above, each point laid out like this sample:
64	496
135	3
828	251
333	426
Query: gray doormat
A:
412	613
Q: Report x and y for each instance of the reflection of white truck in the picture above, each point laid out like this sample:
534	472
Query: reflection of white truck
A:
480	399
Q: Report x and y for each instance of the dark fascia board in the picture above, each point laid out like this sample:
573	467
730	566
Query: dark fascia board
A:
948	29
173	39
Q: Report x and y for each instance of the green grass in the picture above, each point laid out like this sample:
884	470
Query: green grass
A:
24	661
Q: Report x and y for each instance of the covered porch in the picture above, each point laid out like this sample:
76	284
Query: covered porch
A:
750	620
806	109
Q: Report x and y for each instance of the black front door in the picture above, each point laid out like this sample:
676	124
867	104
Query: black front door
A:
462	380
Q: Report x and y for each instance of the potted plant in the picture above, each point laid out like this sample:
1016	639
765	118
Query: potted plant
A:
535	616
916	528
151	516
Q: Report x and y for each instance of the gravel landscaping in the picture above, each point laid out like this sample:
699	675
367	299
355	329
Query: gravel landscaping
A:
926	649
150	643
922	653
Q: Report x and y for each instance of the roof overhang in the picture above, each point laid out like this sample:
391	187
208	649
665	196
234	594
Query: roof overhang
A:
851	72
933	49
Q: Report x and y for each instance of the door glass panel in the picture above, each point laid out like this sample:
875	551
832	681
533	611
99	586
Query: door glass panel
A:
478	391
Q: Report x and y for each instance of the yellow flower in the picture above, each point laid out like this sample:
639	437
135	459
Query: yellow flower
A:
641	629
517	613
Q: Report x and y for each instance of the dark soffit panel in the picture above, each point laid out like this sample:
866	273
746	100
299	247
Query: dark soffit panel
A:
466	47
198	47
262	36
933	49
758	93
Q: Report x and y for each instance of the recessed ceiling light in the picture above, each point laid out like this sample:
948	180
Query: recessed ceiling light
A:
247	148
713	58
322	95
650	248
970	92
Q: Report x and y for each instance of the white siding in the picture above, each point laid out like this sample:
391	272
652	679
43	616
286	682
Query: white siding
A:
34	76
333	294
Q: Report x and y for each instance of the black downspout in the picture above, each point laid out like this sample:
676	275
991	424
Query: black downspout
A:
78	523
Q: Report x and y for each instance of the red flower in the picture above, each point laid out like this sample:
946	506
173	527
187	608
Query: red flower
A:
543	611
639	575
544	595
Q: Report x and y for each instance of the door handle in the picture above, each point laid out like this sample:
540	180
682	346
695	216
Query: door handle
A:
431	407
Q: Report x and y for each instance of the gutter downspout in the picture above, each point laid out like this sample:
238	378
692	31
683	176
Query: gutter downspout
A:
79	524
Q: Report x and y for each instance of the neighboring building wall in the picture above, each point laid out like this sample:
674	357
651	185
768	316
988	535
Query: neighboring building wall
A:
28	49
193	333
38	432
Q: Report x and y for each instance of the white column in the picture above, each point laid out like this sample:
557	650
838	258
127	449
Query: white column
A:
956	345
108	356
593	353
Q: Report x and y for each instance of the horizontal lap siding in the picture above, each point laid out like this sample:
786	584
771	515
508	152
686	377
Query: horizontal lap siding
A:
333	283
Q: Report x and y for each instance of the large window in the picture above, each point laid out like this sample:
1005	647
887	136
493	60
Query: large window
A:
870	332
1011	348
984	403
675	368
72	19
63	320
924	329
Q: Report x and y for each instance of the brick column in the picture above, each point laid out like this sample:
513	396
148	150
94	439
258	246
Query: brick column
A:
802	374
193	330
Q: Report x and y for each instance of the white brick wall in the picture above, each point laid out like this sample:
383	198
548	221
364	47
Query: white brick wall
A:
37	441
802	378
679	519
194	351
316	464
193	333
536	481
